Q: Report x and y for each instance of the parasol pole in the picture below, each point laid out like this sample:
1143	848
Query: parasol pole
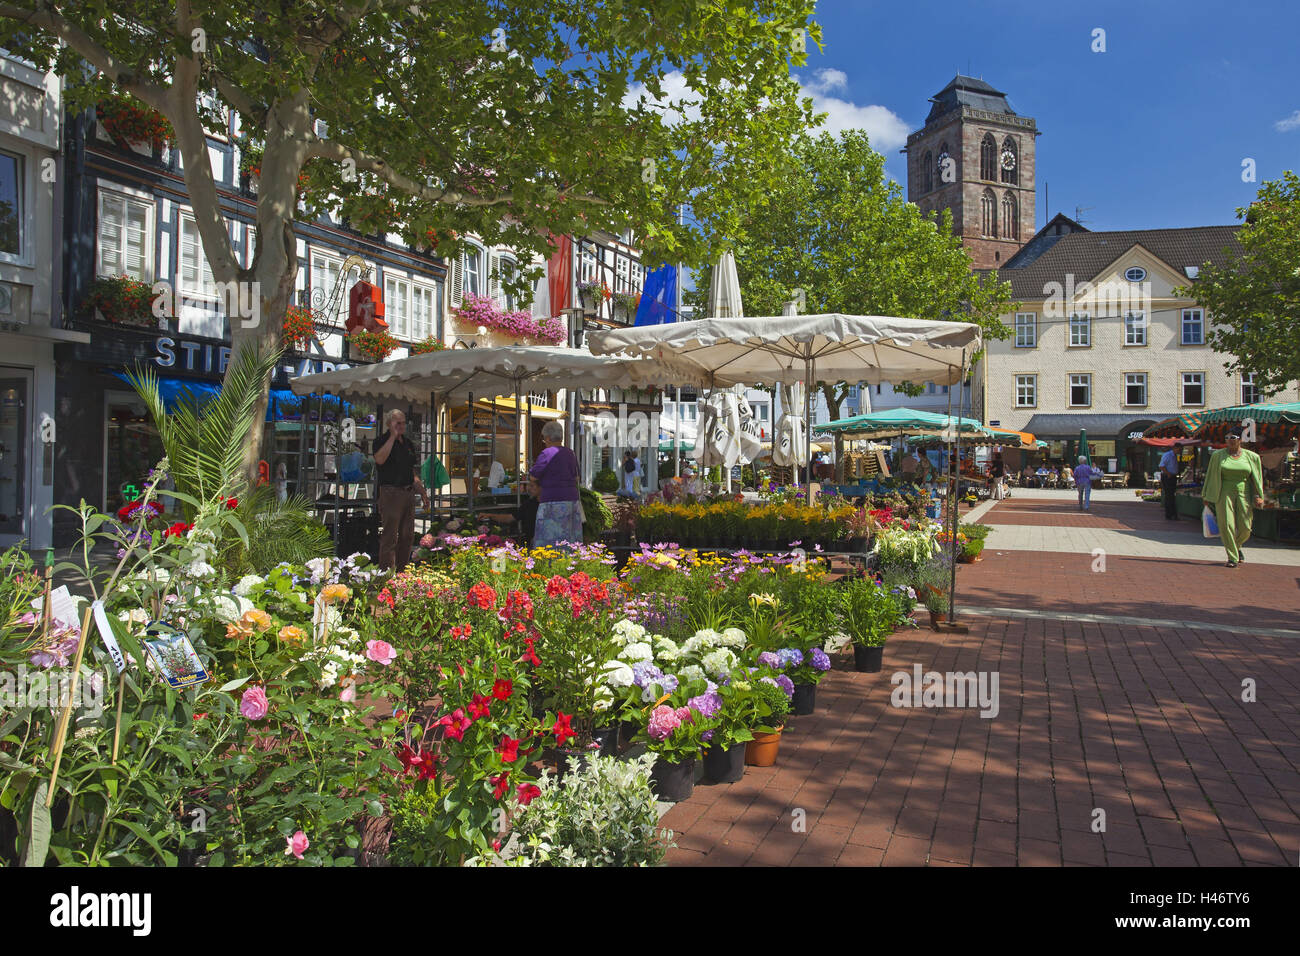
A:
520	461
809	365
469	455
952	539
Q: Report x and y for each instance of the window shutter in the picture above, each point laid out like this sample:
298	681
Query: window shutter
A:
110	236
494	279
136	241
458	280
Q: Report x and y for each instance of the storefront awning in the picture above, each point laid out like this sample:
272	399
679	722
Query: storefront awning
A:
174	390
1096	424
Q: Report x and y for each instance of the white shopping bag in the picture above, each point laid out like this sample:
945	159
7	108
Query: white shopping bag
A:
1209	526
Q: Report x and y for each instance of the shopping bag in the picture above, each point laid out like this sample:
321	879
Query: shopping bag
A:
1209	526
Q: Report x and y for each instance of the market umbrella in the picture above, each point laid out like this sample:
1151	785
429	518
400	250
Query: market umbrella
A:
893	422
790	349
1083	445
1276	423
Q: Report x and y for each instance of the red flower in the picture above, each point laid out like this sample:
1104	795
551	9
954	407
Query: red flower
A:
563	728
482	596
530	655
500	784
519	602
599	592
232	503
527	791
502	689
176	530
509	749
198	716
556	587
480	706
456	723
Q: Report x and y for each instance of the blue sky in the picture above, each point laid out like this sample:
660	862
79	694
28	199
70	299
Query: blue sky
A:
1149	134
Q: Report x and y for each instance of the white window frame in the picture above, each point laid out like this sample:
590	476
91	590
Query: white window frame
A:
431	324
1182	391
24	161
334	265
1071	386
1135	329
397	306
1026	391
150	209
1131	381
206	290
1248	381
478	253
507	267
1027	322
1193	318
1080	321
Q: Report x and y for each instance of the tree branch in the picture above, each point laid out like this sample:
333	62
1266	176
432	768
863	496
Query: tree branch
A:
53	22
337	152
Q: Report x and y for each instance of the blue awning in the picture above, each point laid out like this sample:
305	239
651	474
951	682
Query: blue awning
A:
174	390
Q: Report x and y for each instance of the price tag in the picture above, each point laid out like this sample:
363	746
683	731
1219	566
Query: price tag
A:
106	635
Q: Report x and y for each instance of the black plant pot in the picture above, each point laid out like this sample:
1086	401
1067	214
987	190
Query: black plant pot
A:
562	755
607	737
626	731
673	782
804	701
868	660
724	765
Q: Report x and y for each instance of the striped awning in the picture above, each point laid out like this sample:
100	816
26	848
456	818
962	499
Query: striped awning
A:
1178	426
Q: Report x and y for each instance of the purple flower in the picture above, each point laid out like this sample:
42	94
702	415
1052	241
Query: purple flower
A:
786	684
707	735
790	657
768	659
820	660
645	672
707	704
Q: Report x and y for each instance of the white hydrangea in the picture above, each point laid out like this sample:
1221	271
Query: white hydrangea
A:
230	609
137	615
617	674
637	651
709	636
691	672
628	631
720	661
153	576
200	569
733	637
249	584
604	700
666	650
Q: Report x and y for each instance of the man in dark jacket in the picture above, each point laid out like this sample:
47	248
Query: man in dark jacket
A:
395	458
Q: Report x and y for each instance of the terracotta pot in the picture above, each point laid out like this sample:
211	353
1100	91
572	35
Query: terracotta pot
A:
936	619
762	750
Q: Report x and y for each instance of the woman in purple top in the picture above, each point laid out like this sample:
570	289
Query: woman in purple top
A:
1084	473
559	514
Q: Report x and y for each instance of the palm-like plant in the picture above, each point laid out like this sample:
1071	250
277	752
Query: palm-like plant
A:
204	447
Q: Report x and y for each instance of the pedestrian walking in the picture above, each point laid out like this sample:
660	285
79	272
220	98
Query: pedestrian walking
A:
559	512
1234	488
1084	474
996	472
1169	483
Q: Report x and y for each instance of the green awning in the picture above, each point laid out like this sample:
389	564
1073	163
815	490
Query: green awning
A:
1265	413
892	422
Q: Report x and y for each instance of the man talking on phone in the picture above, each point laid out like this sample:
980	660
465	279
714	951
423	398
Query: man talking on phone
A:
395	472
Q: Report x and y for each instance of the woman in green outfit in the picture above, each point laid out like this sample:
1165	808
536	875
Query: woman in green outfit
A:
1234	487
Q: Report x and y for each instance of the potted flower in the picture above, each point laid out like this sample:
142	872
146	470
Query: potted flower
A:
674	731
625	305
376	346
869	614
765	711
430	344
724	761
128	122
859	527
933	579
805	668
591	293
299	328
122	301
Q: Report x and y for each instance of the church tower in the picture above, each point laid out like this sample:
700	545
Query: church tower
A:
975	156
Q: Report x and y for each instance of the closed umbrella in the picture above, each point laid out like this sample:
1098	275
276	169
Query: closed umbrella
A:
1083	445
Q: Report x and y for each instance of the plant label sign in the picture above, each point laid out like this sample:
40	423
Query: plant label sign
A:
174	655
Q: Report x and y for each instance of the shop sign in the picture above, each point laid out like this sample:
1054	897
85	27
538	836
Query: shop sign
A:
1134	436
206	358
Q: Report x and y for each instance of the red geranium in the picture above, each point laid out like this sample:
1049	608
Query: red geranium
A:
527	791
557	587
502	689
232	503
177	529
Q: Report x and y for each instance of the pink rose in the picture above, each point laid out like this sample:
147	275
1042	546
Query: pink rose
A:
298	844
349	693
381	652
253	704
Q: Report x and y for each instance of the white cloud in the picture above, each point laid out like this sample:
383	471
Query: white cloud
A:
883	127
1288	124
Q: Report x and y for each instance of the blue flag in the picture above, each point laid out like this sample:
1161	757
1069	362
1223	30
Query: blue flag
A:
658	298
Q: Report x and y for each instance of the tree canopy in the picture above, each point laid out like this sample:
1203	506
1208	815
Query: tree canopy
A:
837	236
1254	299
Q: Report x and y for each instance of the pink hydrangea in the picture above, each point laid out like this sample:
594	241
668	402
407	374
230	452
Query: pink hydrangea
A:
663	721
427	541
254	704
683	715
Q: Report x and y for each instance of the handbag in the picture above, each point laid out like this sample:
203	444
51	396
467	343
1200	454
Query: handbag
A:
1209	525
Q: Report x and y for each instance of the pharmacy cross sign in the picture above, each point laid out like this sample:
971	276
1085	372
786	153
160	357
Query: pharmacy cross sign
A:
131	492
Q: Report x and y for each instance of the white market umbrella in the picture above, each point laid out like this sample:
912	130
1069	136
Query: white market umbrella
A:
732	435
790	349
724	289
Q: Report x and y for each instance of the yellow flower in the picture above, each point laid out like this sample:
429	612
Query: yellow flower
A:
239	630
290	633
257	618
335	592
764	598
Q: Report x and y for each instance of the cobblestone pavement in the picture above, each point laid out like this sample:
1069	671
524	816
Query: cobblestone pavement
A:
1118	690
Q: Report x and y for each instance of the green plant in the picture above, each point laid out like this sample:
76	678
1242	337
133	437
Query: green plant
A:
765	708
604	814
204	447
429	344
606	481
599	517
378	345
870	611
121	300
